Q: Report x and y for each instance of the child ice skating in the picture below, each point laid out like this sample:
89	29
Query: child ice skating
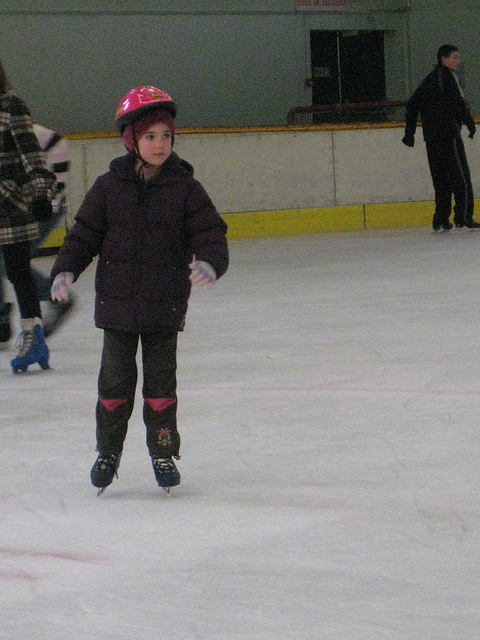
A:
156	232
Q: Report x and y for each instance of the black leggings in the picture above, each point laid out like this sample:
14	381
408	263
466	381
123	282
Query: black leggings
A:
17	266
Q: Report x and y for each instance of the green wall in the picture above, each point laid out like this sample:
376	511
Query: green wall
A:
226	62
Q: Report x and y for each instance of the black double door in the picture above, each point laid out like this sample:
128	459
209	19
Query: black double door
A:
347	66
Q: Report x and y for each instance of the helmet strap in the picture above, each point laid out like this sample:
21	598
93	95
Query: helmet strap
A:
136	152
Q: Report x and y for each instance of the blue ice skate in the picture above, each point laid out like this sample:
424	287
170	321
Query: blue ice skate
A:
32	348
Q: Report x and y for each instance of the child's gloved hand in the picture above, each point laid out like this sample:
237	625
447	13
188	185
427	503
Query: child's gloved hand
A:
202	274
59	290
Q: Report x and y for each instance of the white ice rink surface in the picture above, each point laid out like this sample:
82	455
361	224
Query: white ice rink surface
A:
329	407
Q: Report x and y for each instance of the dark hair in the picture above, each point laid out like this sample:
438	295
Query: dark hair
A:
445	51
5	84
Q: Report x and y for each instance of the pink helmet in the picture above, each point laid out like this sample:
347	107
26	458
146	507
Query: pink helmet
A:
140	100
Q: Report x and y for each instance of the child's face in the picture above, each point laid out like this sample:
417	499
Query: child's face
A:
155	145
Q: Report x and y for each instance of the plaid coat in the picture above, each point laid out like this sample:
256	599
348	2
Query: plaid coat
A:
24	176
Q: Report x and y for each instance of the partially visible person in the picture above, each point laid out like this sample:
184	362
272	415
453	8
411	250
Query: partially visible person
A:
58	161
26	191
5	311
57	155
443	109
156	233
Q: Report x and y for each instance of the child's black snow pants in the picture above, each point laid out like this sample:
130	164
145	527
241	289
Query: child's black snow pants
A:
117	383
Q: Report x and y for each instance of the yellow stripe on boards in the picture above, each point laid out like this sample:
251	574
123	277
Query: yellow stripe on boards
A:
398	214
251	224
292	221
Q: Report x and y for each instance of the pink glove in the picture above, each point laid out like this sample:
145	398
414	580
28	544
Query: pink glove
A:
202	274
59	290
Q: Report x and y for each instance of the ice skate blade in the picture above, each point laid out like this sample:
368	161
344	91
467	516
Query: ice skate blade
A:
168	491
23	368
19	370
100	491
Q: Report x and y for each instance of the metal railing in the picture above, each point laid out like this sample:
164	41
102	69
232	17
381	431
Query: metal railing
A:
369	112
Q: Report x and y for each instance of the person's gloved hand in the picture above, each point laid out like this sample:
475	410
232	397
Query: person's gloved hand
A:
42	209
59	290
472	131
409	140
202	274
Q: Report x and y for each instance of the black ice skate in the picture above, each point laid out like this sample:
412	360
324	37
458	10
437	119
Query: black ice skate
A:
446	225
469	223
166	473
104	470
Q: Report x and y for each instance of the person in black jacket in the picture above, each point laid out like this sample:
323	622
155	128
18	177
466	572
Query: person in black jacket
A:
443	109
156	232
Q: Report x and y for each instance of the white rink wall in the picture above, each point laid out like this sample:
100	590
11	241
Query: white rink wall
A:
287	169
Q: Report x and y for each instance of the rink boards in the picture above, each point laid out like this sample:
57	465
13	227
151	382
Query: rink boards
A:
279	180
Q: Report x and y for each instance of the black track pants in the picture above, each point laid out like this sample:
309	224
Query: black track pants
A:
450	175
